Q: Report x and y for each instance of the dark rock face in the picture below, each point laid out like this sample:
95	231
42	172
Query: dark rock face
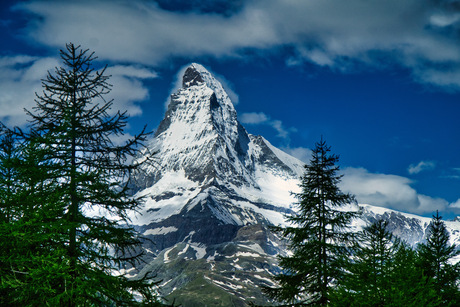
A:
268	158
191	77
197	225
411	230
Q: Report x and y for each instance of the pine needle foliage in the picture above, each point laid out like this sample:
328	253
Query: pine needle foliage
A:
435	257
320	236
382	272
76	196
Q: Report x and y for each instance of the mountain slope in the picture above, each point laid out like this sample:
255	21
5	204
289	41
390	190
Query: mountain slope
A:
211	194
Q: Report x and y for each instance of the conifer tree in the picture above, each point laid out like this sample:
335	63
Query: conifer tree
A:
320	236
382	272
367	280
77	184
435	256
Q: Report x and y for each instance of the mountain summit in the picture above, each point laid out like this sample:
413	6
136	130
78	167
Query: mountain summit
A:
211	194
206	159
200	133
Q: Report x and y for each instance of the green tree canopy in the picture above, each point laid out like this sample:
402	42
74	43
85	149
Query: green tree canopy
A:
435	257
382	272
75	196
319	237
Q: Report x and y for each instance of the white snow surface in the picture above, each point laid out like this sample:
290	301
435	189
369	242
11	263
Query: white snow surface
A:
160	231
174	182
203	135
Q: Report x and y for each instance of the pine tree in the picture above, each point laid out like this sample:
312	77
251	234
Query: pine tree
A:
367	280
382	272
435	256
78	195
8	180
320	237
409	286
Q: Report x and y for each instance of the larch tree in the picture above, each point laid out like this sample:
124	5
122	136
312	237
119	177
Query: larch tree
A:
79	183
319	236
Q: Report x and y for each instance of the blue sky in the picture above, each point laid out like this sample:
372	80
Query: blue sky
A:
379	80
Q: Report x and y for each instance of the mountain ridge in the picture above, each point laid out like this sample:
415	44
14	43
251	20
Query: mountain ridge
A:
212	194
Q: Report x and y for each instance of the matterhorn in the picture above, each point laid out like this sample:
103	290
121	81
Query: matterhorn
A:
211	193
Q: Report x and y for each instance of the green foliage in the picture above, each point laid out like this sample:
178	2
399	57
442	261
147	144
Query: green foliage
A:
66	196
320	238
434	259
383	272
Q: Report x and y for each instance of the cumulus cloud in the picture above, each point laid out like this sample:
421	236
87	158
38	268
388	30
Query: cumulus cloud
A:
389	191
419	35
20	79
420	167
456	204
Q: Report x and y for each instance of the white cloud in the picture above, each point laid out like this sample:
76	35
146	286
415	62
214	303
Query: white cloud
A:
456	204
254	118
389	191
128	88
20	79
419	35
278	126
421	166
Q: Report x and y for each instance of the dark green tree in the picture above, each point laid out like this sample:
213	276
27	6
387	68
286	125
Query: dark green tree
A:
76	195
367	280
382	272
435	257
408	283
32	257
319	237
8	184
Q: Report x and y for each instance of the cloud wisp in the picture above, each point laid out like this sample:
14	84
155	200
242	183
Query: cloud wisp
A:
421	167
260	118
21	75
419	35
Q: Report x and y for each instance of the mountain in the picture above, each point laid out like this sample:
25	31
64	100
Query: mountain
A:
211	192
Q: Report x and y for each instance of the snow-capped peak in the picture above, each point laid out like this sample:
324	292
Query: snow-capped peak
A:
201	143
200	133
196	73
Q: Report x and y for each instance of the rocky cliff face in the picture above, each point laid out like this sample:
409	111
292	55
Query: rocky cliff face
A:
211	193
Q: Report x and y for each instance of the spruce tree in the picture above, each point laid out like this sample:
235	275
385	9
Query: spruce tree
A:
382	272
78	186
367	279
319	237
435	257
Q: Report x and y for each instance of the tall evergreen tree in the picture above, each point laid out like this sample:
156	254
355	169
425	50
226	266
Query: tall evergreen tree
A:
382	272
83	181
320	236
435	256
367	280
